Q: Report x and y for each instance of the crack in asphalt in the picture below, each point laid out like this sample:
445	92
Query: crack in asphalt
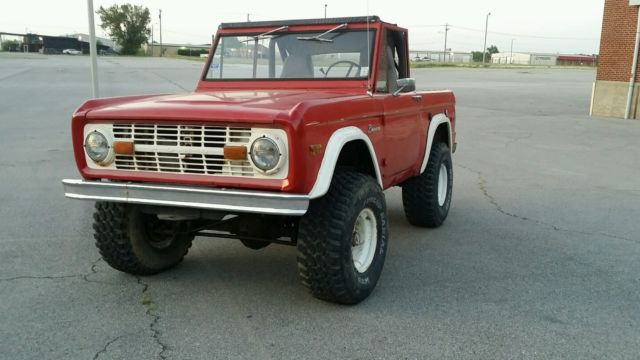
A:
106	346
92	271
170	81
150	307
519	138
30	277
482	185
15	74
147	302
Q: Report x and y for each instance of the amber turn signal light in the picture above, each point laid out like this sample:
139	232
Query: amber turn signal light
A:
315	149
235	152
123	147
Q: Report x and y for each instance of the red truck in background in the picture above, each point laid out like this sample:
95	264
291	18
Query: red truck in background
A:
294	130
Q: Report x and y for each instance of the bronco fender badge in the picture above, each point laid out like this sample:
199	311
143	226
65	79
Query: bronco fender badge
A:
373	129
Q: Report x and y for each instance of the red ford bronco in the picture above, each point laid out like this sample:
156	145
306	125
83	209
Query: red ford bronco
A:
294	130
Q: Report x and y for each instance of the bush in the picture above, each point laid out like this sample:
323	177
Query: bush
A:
192	52
10	45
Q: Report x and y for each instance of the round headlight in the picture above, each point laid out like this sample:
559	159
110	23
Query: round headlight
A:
265	154
97	147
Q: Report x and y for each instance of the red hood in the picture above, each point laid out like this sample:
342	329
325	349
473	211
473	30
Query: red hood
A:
230	106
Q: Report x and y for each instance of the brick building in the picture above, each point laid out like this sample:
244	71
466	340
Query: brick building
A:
616	57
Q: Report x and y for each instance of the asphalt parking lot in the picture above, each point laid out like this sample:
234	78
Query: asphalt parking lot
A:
539	258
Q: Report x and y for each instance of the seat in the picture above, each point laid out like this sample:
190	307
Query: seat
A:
297	67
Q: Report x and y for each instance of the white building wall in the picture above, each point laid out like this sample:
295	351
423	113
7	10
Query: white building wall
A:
549	60
524	59
438	56
507	58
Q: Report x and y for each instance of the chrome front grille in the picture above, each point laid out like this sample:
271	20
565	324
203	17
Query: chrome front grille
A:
186	149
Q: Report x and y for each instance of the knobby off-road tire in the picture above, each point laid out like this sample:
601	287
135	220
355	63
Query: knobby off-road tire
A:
427	197
138	243
333	259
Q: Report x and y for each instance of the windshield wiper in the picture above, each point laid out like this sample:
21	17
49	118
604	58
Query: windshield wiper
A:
320	37
257	38
266	35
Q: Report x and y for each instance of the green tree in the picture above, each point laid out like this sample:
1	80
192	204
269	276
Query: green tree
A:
477	55
127	24
8	45
234	42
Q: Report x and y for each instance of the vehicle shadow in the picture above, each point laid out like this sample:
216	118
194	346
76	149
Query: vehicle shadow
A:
414	262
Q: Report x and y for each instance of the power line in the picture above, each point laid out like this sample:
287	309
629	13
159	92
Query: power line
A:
523	35
423	26
181	33
446	33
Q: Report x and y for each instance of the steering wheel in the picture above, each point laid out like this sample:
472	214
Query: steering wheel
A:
349	62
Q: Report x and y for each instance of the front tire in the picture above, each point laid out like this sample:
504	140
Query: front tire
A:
427	197
138	243
342	240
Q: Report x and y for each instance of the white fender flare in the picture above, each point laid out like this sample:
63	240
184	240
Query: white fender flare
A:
433	126
332	151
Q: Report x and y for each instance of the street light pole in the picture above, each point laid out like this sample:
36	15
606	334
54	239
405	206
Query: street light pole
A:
484	49
93	51
511	58
160	17
325	11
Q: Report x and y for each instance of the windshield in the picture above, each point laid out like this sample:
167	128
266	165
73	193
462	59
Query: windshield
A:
288	55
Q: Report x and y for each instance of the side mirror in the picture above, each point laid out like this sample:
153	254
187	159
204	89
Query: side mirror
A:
405	85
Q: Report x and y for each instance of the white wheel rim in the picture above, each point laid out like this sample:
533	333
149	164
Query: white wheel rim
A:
443	184
364	240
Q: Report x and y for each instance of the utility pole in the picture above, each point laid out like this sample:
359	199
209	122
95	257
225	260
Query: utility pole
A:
152	54
93	51
486	31
248	17
446	33
511	58
160	17
325	11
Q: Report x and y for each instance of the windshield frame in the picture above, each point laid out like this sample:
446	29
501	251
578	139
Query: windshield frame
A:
373	31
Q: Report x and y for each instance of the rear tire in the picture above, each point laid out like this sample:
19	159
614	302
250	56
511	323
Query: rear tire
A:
342	240
138	243
427	197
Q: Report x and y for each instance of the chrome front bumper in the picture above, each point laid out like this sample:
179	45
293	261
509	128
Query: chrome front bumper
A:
241	201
